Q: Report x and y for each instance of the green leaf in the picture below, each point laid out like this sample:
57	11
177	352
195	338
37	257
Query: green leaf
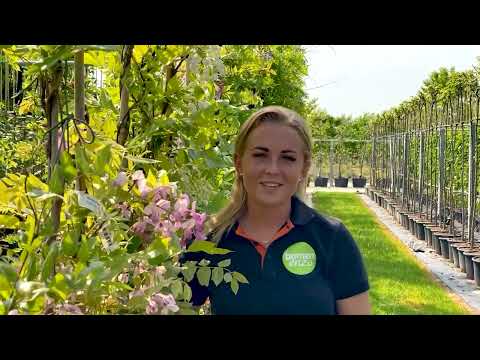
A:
60	287
134	244
70	242
208	247
120	286
117	264
56	181
189	272
29	227
82	161
158	250
68	168
198	92
176	288
103	159
49	264
8	272
237	276
36	183
100	47
216	202
9	222
203	275
227	277
86	248
187	292
234	286
141	160
50	59
36	305
89	202
217	275
32	268
40	195
204	262
139	51
34	245
151	179
224	263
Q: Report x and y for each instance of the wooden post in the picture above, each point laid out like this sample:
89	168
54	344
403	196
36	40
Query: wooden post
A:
330	160
56	137
399	164
80	103
405	169
392	165
441	175
421	151
319	172
373	164
471	180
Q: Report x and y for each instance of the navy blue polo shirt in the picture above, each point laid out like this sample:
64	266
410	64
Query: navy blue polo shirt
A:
337	271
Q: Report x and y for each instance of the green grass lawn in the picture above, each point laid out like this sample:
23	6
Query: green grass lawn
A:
399	283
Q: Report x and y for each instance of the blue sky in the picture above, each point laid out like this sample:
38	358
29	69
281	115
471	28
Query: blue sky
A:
354	79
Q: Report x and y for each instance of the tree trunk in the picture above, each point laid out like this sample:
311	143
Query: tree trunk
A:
124	117
361	163
339	167
169	74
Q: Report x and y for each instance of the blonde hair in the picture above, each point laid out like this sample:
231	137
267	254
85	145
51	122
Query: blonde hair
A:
221	222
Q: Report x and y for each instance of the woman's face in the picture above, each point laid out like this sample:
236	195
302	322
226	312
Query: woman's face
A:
272	165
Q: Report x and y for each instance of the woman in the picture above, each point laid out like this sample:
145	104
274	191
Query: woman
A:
296	260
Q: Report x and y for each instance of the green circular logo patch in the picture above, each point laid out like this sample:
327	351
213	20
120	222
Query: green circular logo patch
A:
299	258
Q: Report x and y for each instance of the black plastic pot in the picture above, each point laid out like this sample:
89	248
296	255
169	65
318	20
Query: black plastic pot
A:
429	231
444	251
359	182
441	241
458	254
468	256
420	231
436	244
461	258
391	209
398	216
452	249
321	181
406	224
341	182
476	270
412	225
428	236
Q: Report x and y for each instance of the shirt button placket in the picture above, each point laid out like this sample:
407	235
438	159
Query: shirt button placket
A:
269	272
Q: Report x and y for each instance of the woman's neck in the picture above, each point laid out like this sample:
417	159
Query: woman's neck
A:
260	217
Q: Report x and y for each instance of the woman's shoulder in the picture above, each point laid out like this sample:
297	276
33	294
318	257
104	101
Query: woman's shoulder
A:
309	215
327	220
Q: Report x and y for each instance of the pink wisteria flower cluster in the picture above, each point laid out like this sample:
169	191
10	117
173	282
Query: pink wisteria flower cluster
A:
165	212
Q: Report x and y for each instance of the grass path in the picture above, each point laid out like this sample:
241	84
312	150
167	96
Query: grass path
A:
399	283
